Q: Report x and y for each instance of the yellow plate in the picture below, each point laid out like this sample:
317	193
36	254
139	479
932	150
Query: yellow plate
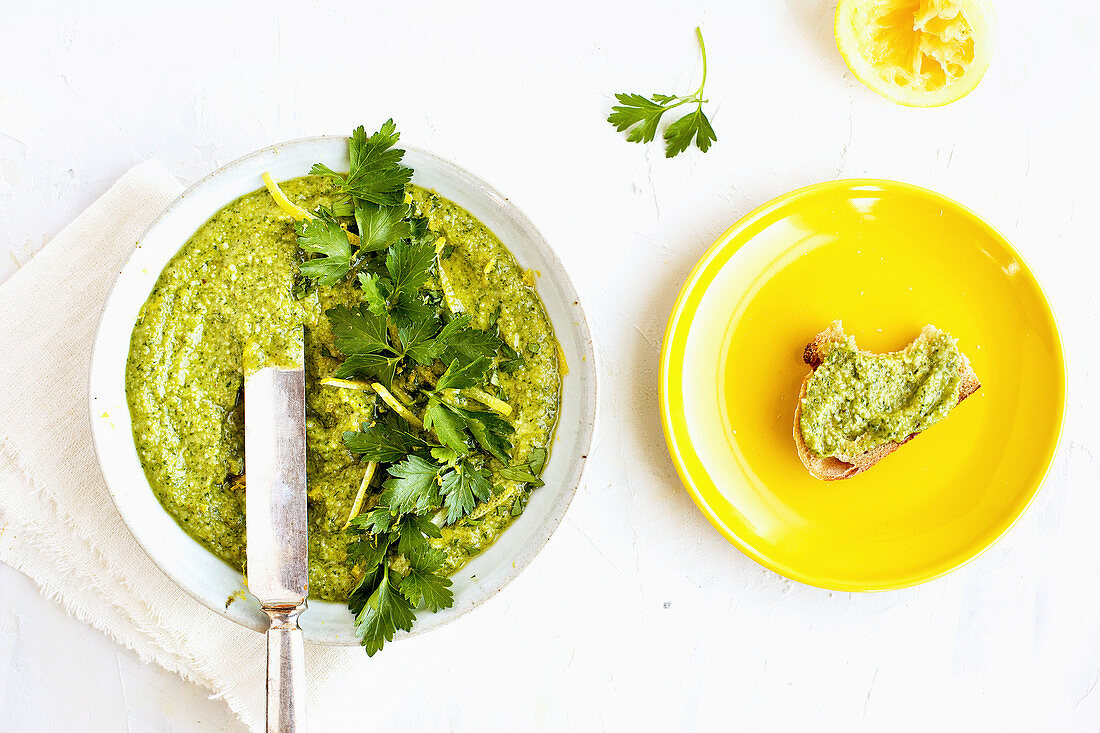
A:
887	258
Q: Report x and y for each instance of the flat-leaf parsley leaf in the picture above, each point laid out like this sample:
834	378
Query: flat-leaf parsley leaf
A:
376	174
639	116
322	235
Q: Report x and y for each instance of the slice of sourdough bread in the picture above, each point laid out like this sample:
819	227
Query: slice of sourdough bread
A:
832	468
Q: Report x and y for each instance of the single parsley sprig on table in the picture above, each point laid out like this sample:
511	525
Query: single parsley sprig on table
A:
404	344
641	116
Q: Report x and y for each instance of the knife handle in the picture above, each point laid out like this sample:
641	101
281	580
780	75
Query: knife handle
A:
286	687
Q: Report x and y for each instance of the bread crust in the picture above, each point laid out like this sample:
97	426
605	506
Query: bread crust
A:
832	468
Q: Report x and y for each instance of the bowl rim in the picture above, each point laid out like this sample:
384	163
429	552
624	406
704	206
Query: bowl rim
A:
675	318
480	592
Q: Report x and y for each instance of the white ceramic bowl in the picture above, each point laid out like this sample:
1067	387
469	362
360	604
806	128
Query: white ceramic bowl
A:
198	571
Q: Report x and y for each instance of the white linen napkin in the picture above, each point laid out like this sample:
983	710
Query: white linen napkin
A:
57	522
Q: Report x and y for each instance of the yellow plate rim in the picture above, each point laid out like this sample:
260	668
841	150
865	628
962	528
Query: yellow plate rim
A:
675	322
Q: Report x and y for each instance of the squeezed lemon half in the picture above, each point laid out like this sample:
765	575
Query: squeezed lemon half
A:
920	53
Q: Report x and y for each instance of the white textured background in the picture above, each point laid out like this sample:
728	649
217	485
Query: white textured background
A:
637	615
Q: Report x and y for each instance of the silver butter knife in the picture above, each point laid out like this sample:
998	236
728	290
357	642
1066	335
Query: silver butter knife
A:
275	507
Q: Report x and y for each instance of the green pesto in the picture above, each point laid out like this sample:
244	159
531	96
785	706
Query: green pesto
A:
232	284
857	401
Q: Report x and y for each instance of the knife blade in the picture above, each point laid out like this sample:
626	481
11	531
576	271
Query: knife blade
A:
275	520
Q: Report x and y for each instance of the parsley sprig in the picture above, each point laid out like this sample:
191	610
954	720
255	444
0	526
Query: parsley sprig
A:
375	174
640	116
401	343
322	235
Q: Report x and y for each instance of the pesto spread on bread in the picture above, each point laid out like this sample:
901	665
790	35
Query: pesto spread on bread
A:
856	401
